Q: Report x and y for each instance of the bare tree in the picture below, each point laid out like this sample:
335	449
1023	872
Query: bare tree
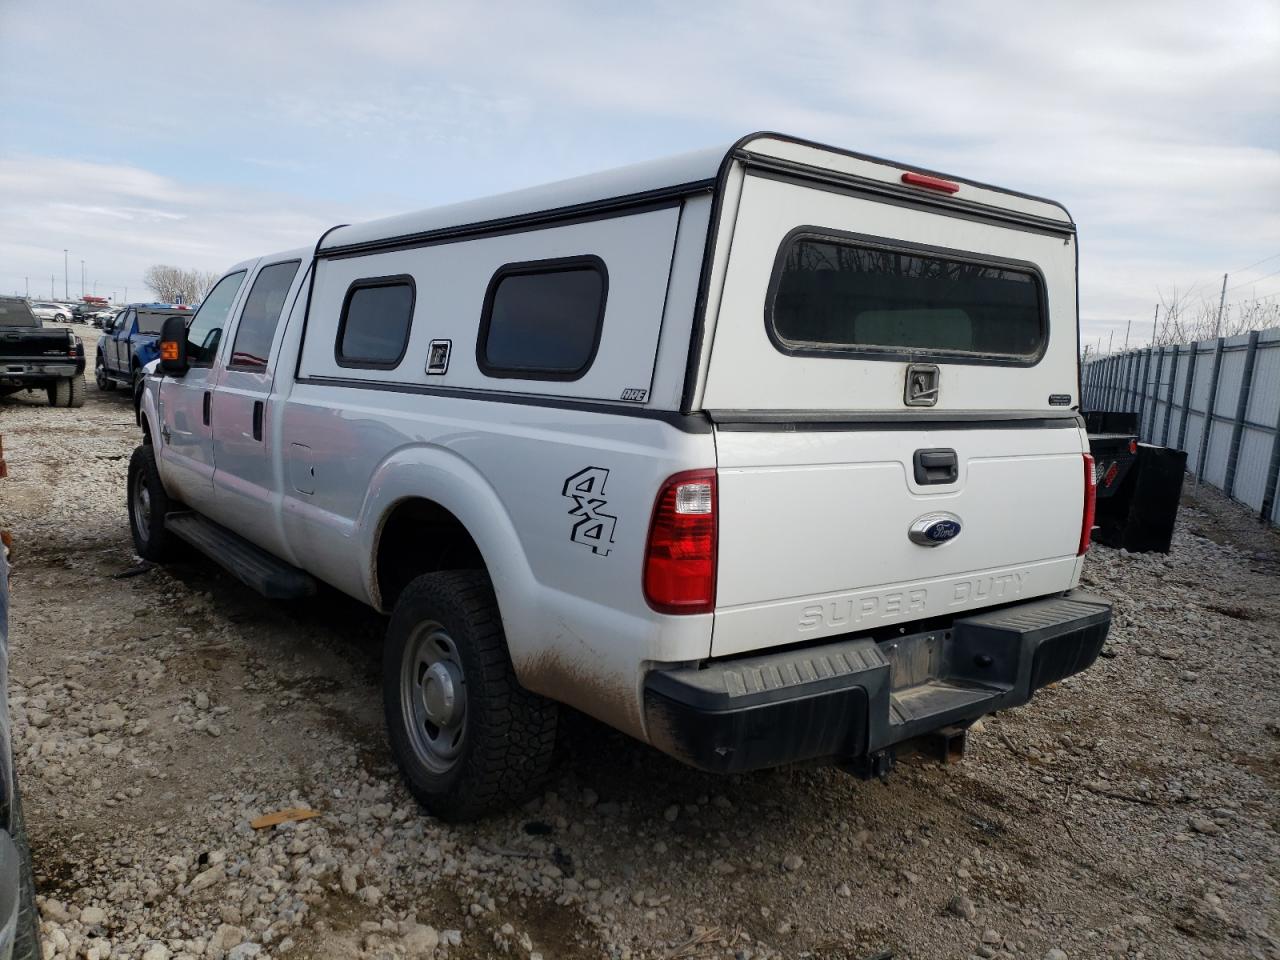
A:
1184	319
176	285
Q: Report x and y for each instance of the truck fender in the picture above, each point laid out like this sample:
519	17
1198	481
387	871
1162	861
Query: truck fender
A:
437	474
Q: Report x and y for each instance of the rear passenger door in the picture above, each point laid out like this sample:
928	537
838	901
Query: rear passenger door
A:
243	403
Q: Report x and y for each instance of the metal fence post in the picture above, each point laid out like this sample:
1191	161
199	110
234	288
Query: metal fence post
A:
1273	474
1168	400
1242	408
1155	398
1186	395
1144	375
1209	404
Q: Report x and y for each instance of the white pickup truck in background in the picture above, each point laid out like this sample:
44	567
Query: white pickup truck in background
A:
760	454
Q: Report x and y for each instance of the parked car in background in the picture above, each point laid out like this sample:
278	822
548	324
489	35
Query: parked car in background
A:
59	312
83	311
19	931
36	357
130	344
761	454
100	318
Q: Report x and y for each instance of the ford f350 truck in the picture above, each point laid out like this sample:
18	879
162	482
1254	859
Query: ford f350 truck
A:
760	454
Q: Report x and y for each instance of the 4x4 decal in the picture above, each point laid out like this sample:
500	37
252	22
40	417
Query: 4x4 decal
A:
592	528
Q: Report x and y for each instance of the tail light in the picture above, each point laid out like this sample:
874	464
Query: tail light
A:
680	557
1090	505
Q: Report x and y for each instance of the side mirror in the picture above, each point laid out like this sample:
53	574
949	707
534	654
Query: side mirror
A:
173	346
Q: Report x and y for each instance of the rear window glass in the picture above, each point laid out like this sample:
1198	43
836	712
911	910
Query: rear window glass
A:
152	321
374	329
261	316
15	313
542	320
834	296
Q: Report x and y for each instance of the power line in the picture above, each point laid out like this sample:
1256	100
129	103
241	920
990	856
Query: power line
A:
1256	280
1256	262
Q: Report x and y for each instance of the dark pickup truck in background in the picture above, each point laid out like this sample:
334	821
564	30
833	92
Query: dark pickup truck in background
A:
36	357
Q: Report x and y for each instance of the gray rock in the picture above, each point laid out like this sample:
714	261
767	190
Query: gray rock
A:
421	940
792	862
961	906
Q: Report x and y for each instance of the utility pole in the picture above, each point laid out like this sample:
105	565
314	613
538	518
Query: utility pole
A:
27	281
1127	327
66	295
1222	300
81	279
51	286
1110	340
1155	323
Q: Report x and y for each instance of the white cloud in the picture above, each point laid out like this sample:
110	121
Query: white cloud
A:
135	218
1153	121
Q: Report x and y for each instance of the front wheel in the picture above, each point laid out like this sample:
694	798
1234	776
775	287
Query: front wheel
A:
148	504
467	737
105	383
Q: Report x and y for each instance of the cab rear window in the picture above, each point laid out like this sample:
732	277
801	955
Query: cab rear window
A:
836	295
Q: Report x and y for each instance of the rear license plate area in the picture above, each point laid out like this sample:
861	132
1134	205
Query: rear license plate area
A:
917	658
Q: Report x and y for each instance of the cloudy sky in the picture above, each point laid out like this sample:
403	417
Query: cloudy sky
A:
201	133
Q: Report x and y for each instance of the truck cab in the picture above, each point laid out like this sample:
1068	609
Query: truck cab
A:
761	454
129	343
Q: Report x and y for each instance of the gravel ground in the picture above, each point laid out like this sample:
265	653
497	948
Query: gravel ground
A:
1128	812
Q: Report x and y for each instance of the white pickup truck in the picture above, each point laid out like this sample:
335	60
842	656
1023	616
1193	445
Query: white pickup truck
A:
760	454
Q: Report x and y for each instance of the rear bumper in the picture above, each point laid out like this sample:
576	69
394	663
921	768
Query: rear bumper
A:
38	369
856	697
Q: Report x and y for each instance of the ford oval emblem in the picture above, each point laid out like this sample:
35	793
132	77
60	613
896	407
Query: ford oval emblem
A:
935	529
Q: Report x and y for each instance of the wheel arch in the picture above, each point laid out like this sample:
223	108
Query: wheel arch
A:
433	486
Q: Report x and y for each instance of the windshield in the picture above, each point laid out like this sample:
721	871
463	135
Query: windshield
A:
16	313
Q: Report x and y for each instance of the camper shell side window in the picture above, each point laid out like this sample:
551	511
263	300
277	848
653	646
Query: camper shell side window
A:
373	329
837	294
542	319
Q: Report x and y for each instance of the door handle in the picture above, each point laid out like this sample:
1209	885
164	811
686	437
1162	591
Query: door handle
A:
936	466
257	419
208	403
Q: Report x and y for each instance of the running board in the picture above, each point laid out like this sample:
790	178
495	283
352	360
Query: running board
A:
251	565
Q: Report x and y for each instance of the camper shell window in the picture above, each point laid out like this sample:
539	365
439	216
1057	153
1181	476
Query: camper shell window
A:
542	319
373	332
835	294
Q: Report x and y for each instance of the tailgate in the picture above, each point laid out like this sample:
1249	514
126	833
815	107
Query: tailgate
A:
893	380
815	526
35	344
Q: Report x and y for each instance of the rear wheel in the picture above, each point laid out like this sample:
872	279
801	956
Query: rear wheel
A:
66	392
76	391
148	505
468	738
